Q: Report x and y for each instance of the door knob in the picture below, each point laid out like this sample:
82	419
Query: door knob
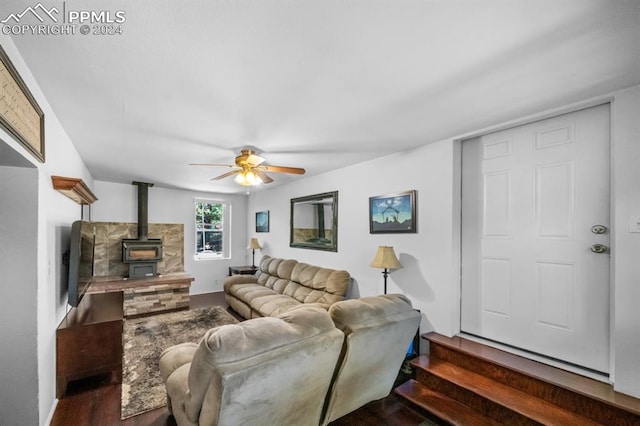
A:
598	229
599	248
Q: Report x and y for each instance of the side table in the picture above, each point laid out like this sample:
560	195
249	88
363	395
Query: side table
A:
242	270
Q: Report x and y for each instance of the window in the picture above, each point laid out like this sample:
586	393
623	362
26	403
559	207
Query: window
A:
211	241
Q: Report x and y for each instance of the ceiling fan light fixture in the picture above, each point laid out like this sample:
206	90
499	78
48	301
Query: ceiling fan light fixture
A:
249	169
248	178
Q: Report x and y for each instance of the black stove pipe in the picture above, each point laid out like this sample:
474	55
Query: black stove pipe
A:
143	209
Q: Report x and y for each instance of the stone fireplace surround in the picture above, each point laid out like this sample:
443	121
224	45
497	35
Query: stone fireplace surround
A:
108	247
168	291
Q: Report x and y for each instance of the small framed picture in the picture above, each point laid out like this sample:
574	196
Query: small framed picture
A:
262	221
393	213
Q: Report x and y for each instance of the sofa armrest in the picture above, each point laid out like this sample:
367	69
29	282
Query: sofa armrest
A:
174	357
238	279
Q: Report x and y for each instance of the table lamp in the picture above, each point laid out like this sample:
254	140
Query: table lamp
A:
386	259
254	245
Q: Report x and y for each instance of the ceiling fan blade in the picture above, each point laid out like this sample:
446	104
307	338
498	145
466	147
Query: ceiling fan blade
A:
282	169
212	164
265	178
222	176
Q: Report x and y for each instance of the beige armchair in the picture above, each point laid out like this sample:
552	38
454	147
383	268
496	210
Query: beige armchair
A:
264	371
378	331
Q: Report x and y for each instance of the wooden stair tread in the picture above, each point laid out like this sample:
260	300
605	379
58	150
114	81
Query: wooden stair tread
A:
506	396
573	382
442	406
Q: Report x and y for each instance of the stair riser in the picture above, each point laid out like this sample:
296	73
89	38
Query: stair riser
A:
561	397
473	400
442	407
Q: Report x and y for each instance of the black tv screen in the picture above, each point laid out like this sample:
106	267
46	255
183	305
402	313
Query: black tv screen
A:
80	260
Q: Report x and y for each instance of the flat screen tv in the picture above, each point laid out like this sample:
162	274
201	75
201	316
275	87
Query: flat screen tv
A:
81	255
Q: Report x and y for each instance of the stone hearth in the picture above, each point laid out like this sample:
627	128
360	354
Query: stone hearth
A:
148	295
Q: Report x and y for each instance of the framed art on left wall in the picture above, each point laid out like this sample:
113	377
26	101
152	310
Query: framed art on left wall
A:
20	114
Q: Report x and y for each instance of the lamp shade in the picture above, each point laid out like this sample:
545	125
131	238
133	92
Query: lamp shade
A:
254	244
386	258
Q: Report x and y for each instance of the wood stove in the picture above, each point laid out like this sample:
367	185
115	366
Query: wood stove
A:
142	254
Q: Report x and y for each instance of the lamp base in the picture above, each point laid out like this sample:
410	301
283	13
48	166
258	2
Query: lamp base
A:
385	274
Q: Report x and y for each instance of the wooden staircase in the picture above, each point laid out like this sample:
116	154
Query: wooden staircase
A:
466	383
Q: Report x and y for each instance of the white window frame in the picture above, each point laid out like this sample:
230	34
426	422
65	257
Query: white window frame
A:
226	232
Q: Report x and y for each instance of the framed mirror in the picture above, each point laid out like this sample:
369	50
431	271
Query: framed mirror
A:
314	222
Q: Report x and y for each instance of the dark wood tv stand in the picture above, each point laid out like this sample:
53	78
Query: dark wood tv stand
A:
89	341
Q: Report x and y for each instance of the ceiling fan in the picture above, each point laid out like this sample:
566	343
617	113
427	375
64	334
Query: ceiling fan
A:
250	170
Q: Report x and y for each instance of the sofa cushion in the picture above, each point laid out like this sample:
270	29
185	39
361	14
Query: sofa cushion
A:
248	292
277	267
175	357
273	304
371	312
238	279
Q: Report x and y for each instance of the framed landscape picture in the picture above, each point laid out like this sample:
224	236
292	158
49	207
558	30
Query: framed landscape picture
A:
393	213
262	221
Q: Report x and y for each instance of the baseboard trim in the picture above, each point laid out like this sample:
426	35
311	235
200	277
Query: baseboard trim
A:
47	422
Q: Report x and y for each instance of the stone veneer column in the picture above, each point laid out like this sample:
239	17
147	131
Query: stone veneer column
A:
156	298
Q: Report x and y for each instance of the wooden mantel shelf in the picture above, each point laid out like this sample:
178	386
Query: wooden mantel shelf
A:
117	283
73	188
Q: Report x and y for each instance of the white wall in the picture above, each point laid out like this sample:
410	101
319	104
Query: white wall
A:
55	213
430	277
427	276
119	203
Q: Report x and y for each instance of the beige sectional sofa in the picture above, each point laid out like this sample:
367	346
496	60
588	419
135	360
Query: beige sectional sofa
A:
307	367
281	284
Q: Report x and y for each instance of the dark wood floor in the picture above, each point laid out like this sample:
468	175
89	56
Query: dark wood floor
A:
94	403
101	406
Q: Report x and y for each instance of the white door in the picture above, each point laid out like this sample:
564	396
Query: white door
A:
530	197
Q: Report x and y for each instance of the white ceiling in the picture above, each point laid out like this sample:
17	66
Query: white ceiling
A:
318	84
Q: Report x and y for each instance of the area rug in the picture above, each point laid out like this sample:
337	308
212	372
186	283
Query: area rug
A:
143	341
